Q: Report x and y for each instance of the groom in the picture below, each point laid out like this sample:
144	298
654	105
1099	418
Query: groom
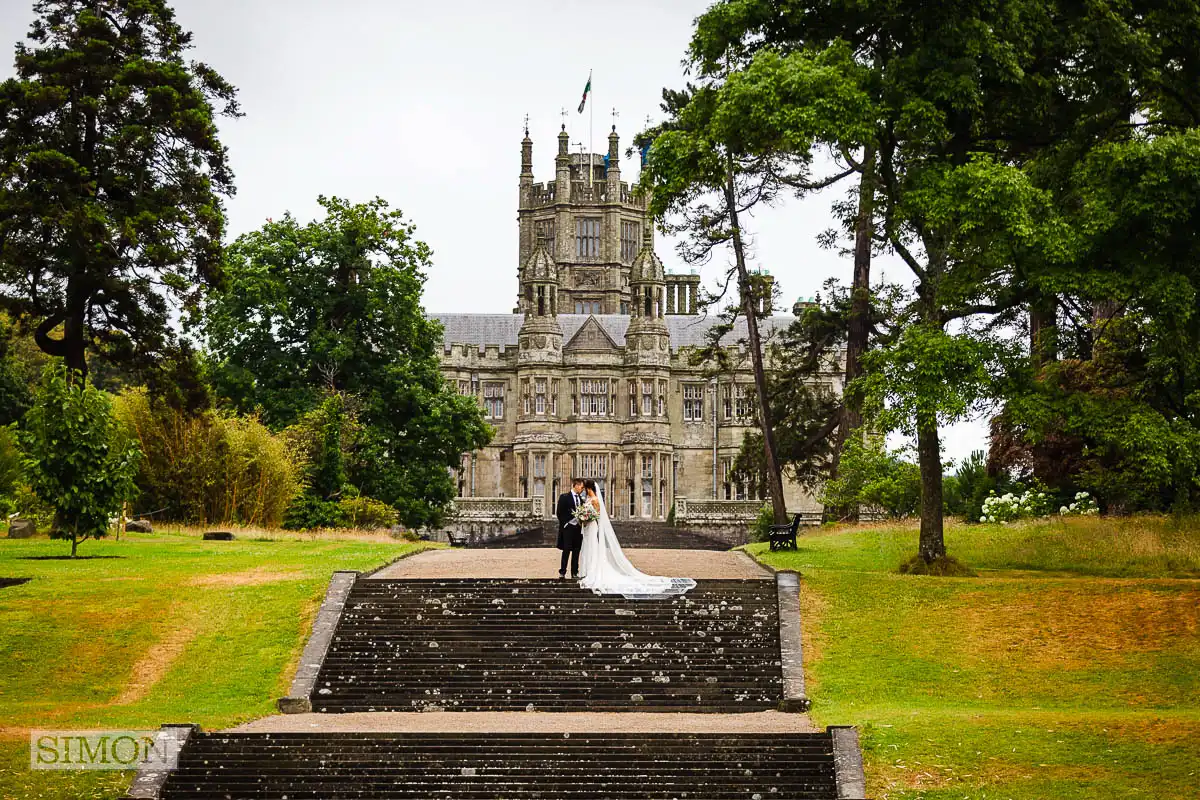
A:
570	533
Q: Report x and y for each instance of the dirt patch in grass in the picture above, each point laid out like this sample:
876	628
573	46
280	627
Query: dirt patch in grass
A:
1151	730
250	577
6	582
152	666
1077	628
813	608
901	778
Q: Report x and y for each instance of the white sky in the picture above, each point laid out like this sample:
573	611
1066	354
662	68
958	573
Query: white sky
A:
422	104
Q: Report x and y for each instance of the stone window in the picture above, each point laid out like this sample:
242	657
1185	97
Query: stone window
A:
588	307
647	398
543	232
526	400
554	398
593	398
539	396
587	237
624	307
693	402
733	489
630	239
594	466
633	403
727	400
648	486
464	387
662	398
539	474
741	402
493	400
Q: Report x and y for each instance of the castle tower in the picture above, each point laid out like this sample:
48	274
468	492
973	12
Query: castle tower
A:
590	223
646	438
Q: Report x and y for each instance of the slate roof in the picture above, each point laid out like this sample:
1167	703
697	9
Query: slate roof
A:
502	329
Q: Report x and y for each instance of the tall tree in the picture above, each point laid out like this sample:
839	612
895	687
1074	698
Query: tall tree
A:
112	175
980	113
729	36
336	305
705	173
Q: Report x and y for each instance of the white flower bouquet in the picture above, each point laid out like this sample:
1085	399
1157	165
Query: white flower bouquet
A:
586	513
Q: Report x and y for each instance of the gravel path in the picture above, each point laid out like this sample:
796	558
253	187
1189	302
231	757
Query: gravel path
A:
532	722
542	562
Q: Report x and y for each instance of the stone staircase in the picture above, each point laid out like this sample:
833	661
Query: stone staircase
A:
217	766
631	533
516	645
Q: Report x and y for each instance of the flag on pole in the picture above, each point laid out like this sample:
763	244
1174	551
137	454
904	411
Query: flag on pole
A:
586	91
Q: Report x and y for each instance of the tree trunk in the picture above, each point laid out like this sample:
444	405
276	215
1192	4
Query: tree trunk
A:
1043	330
74	544
859	325
75	346
72	347
747	296
932	545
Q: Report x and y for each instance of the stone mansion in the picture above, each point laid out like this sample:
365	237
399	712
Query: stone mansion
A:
589	375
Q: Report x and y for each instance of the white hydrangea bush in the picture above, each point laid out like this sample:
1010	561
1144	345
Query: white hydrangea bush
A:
1011	507
1084	506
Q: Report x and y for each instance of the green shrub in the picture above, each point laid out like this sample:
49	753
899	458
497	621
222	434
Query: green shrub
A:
27	505
10	469
760	528
76	457
366	513
323	438
877	480
206	468
307	512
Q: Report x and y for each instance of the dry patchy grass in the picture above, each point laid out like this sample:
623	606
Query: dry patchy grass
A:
1076	626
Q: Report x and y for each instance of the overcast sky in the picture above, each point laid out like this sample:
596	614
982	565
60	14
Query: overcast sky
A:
423	104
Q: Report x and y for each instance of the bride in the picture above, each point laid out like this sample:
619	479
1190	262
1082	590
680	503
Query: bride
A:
605	568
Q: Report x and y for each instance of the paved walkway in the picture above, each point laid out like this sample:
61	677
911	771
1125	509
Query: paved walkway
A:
541	562
532	722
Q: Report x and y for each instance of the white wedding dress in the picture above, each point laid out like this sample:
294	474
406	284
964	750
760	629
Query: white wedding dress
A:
606	570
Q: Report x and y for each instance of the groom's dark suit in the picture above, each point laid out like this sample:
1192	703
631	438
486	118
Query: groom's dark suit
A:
570	532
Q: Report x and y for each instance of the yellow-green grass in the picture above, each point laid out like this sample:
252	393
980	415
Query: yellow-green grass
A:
155	628
1069	668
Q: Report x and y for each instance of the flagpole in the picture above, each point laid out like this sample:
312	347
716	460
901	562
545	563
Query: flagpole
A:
591	114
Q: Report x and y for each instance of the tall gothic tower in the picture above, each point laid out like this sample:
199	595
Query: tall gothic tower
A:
590	223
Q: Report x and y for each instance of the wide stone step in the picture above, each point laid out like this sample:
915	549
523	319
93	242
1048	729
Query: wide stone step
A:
496	644
492	766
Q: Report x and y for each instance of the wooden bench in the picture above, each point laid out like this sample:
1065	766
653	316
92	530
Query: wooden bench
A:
783	537
458	539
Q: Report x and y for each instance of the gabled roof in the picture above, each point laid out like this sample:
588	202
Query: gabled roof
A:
591	335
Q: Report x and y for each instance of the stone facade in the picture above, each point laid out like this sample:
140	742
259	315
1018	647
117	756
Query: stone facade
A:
591	375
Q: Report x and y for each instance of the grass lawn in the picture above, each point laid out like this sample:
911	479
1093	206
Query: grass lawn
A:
155	628
1069	668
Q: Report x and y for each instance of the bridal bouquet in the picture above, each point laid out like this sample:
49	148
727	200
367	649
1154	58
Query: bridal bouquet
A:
586	513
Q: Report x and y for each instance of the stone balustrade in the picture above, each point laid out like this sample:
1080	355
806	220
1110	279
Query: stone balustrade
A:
718	512
499	509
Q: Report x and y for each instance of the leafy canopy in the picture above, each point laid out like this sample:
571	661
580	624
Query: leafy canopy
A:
112	176
335	304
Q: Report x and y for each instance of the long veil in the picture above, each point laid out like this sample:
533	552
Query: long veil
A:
609	571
